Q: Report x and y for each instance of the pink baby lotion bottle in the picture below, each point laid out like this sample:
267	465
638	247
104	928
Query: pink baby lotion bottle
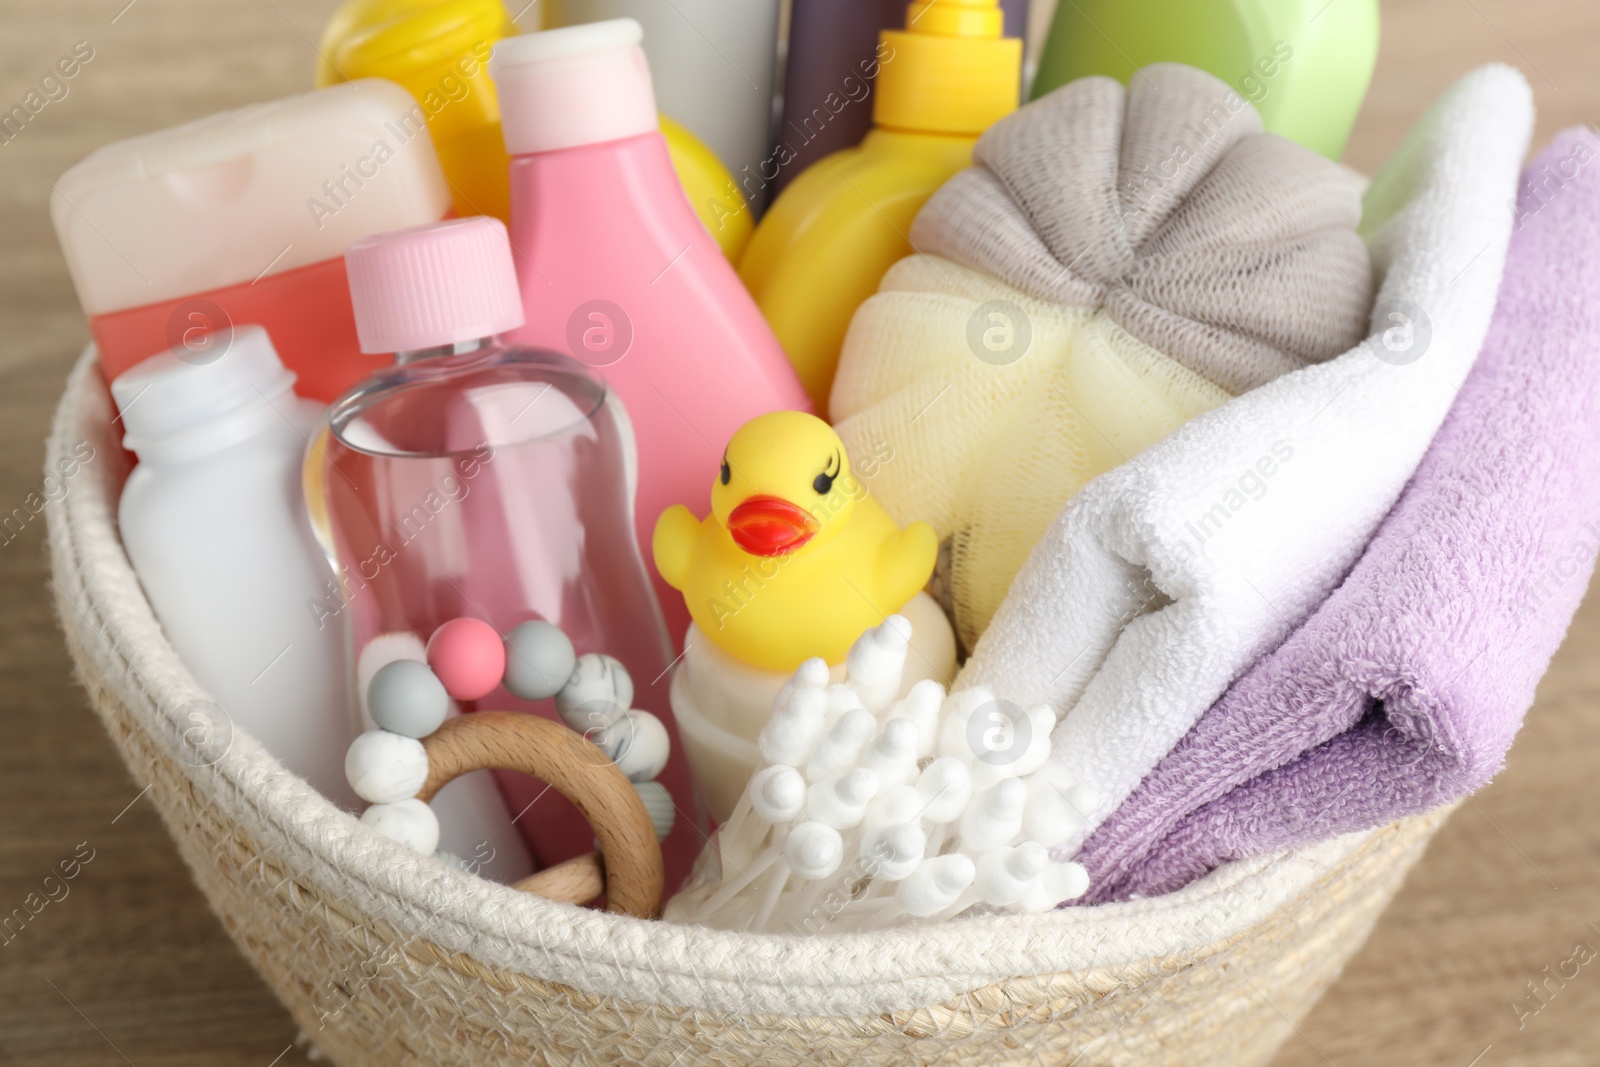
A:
490	481
616	269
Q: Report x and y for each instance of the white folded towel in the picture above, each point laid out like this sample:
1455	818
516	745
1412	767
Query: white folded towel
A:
1168	576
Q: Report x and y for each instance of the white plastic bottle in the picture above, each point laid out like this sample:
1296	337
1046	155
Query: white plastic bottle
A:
214	521
714	64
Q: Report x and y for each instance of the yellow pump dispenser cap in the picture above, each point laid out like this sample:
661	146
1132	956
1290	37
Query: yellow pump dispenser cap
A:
949	71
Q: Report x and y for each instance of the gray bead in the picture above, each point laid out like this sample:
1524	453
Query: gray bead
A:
407	698
658	802
539	660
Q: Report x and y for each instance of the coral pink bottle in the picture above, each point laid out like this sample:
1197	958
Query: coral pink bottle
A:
616	269
494	482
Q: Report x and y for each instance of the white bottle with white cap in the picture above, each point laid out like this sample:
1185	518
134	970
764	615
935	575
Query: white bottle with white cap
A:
214	522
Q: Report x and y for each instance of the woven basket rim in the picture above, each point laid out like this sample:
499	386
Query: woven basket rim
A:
100	603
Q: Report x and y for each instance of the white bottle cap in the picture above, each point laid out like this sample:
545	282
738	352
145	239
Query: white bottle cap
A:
189	387
574	86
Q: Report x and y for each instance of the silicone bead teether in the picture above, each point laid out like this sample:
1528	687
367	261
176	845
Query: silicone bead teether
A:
384	768
410	822
468	656
539	660
406	697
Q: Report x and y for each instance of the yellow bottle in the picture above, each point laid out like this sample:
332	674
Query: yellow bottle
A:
438	50
825	244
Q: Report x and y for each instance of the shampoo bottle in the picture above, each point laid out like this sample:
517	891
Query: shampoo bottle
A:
830	237
830	72
615	270
1304	64
214	525
243	217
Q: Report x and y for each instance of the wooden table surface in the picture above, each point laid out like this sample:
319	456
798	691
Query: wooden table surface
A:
131	968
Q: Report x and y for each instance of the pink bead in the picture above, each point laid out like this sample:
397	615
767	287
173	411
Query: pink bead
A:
468	656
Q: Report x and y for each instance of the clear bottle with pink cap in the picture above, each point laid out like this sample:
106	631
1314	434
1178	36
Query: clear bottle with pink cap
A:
480	480
616	269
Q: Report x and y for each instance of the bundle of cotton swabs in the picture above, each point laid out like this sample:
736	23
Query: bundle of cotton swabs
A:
871	811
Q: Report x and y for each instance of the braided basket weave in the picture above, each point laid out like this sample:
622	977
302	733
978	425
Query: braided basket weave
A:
388	958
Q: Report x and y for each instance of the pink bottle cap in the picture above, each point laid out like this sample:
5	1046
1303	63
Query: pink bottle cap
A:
433	285
574	86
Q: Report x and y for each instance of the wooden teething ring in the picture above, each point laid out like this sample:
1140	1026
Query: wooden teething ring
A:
630	875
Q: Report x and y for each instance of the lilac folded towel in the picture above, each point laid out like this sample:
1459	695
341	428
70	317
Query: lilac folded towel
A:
1404	689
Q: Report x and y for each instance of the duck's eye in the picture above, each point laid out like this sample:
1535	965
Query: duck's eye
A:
727	474
823	483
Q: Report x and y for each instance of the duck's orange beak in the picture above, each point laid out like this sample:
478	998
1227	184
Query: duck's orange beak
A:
770	526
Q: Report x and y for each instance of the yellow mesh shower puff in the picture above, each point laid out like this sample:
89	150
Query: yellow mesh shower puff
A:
1115	262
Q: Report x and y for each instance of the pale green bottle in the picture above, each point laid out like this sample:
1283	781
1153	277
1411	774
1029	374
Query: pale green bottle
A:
1304	64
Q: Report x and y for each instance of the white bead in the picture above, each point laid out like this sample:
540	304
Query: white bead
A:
813	850
384	768
658	802
410	822
946	786
640	747
936	884
841	802
842	745
778	794
921	706
893	851
596	695
792	732
995	815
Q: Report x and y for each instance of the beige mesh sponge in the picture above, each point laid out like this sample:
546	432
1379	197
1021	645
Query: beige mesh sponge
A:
390	959
1115	262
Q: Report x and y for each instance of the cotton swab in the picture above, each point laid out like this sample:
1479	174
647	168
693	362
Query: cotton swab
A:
1056	806
935	885
840	748
876	661
892	755
1005	874
1055	885
841	802
872	811
921	707
995	815
795	728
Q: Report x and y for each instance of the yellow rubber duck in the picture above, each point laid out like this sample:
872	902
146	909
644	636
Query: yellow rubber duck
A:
795	559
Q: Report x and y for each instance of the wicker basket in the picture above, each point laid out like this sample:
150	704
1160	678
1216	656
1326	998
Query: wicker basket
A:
388	958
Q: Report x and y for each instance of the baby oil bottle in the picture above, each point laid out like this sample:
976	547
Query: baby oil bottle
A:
478	480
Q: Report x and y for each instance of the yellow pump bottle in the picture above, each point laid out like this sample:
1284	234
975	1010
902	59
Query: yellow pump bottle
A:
826	242
438	51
